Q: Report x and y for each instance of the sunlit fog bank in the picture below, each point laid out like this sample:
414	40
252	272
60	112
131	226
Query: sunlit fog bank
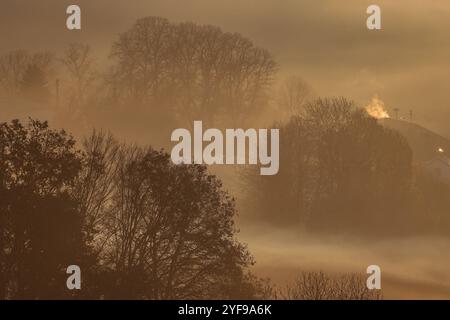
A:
412	267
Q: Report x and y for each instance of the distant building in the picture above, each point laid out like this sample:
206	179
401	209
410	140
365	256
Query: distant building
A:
440	166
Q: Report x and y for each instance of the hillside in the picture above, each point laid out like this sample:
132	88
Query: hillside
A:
424	143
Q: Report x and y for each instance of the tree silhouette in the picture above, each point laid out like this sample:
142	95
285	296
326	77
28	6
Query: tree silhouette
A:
165	231
79	65
34	84
322	286
340	170
41	229
14	65
218	76
293	94
139	226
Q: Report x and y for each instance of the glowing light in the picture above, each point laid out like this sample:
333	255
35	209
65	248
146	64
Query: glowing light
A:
376	108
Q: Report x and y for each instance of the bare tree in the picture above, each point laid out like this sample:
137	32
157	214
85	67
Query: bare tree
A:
14	65
80	66
342	169
216	75
173	229
12	68
321	286
293	94
163	231
95	186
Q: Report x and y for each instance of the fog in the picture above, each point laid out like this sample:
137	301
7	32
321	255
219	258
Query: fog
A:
326	43
412	267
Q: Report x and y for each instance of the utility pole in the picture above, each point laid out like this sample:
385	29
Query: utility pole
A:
57	92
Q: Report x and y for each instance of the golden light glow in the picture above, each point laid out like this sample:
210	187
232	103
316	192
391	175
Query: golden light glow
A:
376	108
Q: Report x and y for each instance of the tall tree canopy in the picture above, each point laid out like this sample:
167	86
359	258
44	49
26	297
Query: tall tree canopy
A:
164	230
138	225
218	76
22	71
339	169
40	229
